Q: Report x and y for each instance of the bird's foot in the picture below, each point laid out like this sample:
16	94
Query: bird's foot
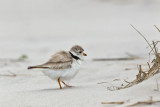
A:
66	84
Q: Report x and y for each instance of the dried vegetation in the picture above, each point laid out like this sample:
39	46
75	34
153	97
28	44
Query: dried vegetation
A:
148	102
153	67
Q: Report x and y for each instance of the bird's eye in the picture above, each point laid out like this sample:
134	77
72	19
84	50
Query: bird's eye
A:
80	52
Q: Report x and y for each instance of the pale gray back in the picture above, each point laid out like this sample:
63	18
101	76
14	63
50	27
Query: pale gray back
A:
60	60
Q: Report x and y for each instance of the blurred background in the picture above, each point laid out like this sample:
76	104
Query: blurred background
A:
38	28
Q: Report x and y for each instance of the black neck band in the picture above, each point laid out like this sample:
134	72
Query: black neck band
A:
75	57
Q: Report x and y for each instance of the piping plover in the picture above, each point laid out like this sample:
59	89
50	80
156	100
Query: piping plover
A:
63	65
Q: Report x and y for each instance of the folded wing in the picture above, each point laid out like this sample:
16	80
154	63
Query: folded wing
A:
60	60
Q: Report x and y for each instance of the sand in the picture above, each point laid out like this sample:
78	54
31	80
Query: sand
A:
39	29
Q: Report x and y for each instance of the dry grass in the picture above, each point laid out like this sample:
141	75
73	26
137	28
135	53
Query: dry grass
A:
116	59
121	102
148	102
153	67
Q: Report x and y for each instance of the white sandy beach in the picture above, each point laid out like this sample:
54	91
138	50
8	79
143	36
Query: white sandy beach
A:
41	28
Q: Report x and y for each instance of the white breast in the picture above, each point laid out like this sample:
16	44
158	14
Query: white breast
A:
65	74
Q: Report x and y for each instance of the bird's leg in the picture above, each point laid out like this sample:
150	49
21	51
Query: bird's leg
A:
59	83
66	84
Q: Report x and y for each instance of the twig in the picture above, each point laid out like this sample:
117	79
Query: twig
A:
157	28
150	101
102	82
154	69
121	102
142	36
144	102
6	75
127	81
114	59
149	65
141	76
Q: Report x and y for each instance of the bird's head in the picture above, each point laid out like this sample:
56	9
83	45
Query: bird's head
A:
78	51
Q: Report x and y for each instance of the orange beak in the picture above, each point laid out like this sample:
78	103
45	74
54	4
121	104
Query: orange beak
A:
84	54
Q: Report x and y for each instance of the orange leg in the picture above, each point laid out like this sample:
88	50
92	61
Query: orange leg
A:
66	84
59	83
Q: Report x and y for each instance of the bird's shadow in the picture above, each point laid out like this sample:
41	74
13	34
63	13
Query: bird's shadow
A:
57	89
51	89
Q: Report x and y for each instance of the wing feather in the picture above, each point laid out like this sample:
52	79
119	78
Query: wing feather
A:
60	60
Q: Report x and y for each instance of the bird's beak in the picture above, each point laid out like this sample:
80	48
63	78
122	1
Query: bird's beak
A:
84	54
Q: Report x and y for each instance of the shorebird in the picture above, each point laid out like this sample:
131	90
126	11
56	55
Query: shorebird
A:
63	65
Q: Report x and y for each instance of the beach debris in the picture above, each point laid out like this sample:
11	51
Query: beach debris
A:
120	102
101	82
130	57
153	67
149	102
116	79
127	69
157	28
116	59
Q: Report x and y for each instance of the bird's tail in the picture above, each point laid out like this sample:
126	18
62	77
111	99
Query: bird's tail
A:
38	66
